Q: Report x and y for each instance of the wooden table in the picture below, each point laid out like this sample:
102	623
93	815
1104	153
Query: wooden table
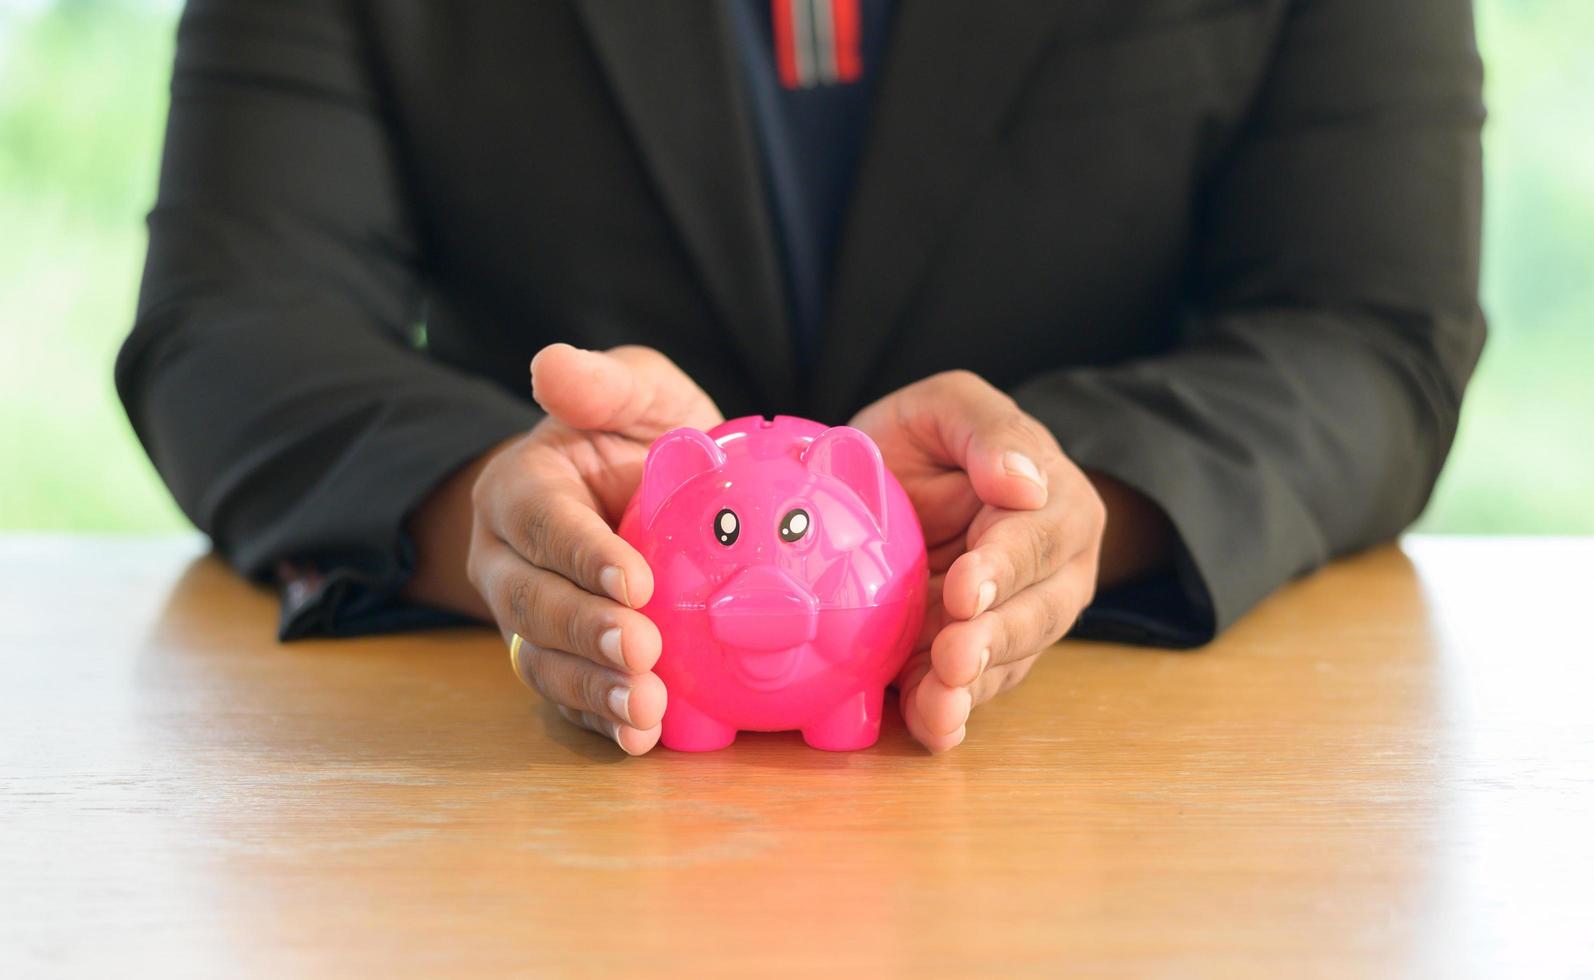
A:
1387	769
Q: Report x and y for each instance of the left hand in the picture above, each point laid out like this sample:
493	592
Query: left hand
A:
1014	530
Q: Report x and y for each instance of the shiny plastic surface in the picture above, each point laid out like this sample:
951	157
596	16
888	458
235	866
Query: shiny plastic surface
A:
789	580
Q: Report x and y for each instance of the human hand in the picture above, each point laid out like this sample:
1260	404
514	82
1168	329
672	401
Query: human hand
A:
1014	530
543	552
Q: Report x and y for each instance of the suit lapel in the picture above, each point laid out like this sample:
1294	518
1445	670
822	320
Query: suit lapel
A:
952	69
673	71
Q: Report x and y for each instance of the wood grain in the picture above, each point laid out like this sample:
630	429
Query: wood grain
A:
1386	769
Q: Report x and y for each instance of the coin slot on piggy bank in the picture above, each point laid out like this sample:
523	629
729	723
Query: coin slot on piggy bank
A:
789	580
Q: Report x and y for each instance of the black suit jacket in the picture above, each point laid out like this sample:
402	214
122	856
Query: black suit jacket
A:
1226	249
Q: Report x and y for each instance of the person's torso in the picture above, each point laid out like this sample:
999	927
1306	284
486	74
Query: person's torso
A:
1027	197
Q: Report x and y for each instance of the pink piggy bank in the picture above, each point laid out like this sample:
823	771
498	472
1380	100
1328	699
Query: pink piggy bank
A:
790	579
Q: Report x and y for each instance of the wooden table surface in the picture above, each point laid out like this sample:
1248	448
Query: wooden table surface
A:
1386	769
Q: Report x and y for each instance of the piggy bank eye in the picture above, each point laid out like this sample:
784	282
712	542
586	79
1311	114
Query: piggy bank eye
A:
794	525
727	527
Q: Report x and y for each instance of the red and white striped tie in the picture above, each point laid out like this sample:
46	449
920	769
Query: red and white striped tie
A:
816	42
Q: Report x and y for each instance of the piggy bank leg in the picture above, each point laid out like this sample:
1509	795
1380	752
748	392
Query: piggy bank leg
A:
686	729
852	724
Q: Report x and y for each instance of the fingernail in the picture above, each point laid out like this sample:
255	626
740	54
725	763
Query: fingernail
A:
986	597
620	702
613	582
1020	465
985	661
609	644
968	705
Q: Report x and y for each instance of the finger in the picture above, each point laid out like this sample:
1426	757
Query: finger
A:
1018	628
908	684
1002	678
555	527
913	671
633	391
965	422
635	700
935	743
945	502
635	741
1012	550
942	709
550	611
930	740
935	615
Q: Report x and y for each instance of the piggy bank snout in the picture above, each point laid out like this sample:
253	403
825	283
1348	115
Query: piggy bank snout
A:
763	608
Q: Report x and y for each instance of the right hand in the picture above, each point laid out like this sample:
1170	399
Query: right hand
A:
543	552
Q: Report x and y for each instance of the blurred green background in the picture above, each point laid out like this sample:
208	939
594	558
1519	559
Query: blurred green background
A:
82	103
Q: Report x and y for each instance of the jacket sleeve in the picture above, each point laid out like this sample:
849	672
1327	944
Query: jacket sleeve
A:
273	373
1335	322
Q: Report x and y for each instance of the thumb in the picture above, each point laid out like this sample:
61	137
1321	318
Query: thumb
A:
631	391
959	420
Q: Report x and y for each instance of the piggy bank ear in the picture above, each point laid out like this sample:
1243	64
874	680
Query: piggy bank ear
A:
852	457
676	457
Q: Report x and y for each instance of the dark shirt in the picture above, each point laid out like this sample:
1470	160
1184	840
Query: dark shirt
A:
810	138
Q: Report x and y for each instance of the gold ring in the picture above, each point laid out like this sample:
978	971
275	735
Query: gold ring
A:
514	652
